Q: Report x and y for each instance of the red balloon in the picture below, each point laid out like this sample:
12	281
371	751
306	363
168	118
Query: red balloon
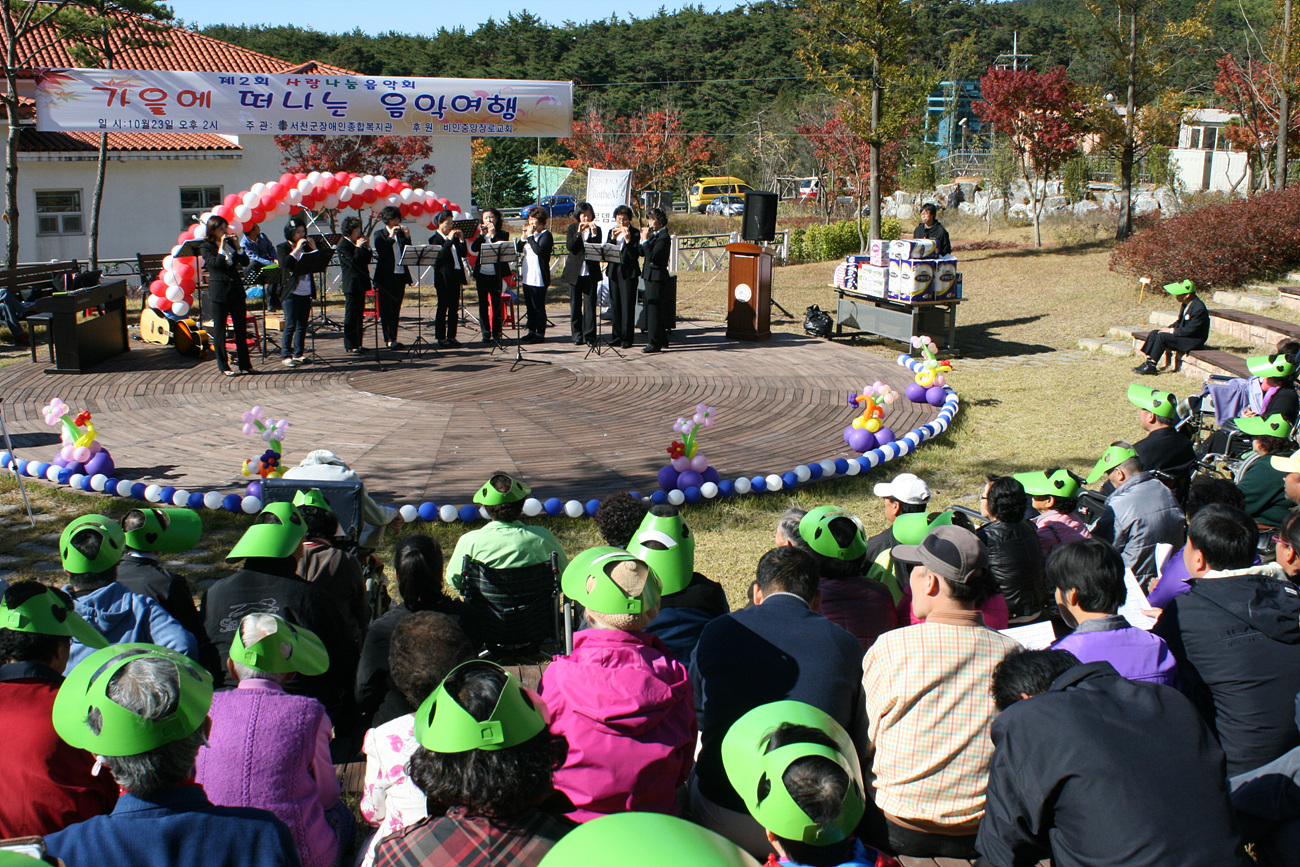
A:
225	213
184	270
164	304
266	203
158	287
381	189
416	209
329	183
299	176
231	200
453	207
287	178
187	284
275	190
257	216
342	177
293	209
370	196
309	203
184	238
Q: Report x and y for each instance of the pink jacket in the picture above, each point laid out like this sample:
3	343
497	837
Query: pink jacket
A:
628	711
1057	528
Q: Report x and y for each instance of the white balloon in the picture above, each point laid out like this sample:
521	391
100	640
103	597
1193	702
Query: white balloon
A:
533	507
802	473
708	490
407	196
854	467
409	513
170	278
153	301
305	186
314	178
331	201
369	180
31	469
74	481
250	200
213	499
180	498
199	231
448	513
250	505
282	208
180	308
420	194
153	493
258	189
203	218
573	509
97	481
236	226
774	482
294	197
344	195
676	497
742	485
243	213
357	186
828	469
168	261
175	293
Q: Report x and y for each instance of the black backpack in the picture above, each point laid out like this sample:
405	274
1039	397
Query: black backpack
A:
817	322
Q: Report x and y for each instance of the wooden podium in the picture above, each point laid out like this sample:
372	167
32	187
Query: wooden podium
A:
749	292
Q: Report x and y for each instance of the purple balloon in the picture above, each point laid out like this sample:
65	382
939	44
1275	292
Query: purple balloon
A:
689	479
915	393
711	475
254	489
883	436
935	395
861	440
102	462
59	461
668	477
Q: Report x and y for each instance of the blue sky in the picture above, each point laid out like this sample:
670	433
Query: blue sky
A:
338	16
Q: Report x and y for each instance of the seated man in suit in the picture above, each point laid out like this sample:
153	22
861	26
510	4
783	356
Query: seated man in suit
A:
1189	332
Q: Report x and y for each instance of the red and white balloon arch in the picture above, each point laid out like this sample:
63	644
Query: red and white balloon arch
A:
173	291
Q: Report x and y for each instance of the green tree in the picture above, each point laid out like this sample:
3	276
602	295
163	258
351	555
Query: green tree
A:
497	176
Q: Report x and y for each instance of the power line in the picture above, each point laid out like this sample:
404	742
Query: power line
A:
720	80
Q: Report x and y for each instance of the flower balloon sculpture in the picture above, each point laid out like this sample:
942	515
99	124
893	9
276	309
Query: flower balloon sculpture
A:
929	383
268	464
868	430
81	452
689	468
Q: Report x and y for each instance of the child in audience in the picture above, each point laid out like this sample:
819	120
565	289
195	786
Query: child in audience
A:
271	750
624	704
1054	494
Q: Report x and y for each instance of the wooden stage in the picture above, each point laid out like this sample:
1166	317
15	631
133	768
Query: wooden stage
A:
434	428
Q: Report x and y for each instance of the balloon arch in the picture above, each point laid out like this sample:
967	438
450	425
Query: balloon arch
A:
173	291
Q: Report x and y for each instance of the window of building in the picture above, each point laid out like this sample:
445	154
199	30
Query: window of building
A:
58	212
196	201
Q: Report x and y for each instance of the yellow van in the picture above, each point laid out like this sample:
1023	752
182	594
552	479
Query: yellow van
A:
704	190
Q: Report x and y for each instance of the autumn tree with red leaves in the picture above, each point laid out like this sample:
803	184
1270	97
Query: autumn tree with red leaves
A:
397	157
842	155
652	145
1041	115
1251	90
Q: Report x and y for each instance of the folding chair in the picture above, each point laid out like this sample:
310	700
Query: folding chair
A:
521	611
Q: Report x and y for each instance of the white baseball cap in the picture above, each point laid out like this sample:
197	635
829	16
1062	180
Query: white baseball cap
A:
1284	464
906	488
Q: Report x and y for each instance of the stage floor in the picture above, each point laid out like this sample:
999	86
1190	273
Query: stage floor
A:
434	428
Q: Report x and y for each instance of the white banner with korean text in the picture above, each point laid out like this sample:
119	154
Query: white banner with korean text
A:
606	190
224	103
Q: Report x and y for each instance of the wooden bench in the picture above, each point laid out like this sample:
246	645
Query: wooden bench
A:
1252	327
1205	360
1289	296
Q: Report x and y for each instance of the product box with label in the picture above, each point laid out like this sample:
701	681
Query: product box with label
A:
910	280
873	280
917	248
879	253
945	275
950	292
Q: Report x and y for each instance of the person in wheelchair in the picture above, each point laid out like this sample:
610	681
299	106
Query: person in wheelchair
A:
1263	485
506	542
1270	391
1232	397
1163	451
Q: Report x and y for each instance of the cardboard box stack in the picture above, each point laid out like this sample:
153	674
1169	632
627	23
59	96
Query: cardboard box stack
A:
905	271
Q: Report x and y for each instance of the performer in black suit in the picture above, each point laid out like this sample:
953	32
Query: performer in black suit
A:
354	264
225	262
300	261
1189	332
582	276
624	277
391	279
535	271
487	278
656	248
448	277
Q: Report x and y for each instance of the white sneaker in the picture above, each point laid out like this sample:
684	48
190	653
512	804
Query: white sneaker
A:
290	362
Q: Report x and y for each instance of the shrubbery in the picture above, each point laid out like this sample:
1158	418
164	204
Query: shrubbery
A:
1218	246
820	243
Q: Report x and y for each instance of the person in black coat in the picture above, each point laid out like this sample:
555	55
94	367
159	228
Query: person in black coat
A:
581	275
931	228
391	279
448	276
1189	332
354	265
487	278
299	263
535	271
225	262
1015	557
624	276
656	247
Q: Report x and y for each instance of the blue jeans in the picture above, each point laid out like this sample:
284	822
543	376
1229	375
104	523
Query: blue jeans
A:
296	310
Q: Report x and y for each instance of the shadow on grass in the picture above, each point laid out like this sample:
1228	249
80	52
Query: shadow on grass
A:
1062	250
977	340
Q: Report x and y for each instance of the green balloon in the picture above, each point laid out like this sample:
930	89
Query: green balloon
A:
644	840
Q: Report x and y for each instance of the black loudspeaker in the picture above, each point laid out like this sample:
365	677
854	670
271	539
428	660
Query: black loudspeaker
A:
760	217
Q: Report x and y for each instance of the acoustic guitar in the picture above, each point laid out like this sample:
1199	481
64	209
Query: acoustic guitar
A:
191	340
155	327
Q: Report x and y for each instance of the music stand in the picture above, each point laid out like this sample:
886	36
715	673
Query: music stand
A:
323	319
498	253
601	253
417	256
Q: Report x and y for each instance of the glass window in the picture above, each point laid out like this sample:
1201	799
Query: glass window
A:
58	212
1195	141
196	201
1208	138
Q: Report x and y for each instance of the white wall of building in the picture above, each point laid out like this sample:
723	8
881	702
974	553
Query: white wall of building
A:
1218	170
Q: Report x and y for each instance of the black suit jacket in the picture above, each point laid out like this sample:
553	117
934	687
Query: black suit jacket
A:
225	275
354	266
1193	325
629	267
445	271
573	264
656	247
503	268
386	258
291	269
541	244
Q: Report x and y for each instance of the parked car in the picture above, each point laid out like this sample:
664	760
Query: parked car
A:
704	189
726	206
556	206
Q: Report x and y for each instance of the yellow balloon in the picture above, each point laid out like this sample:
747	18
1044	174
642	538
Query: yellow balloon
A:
244	469
857	422
873	425
925	378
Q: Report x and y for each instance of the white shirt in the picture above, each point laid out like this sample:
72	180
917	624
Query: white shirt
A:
304	281
530	268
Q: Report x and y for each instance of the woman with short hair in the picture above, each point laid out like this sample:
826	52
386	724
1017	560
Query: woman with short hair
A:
354	265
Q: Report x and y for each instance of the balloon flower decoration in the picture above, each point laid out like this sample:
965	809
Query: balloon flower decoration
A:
929	383
689	468
268	464
868	430
173	290
81	451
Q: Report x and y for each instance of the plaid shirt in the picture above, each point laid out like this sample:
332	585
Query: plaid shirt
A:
929	711
459	840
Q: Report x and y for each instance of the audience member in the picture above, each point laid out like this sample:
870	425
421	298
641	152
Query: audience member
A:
1263	485
1173	578
1015	560
505	542
485	765
1253	395
1077	777
327	564
690	600
49	783
1267	802
905	495
1236	636
646	840
1189	331
1291	467
1287	541
1054	494
910	530
142	710
271	750
424	647
861	605
618	517
621	701
1163	449
928	706
779	648
1088	579
1141	513
323	465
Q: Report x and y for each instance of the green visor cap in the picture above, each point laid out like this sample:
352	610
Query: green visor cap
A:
490	496
313	498
666	545
1058	483
289	648
47	614
1274	366
18	859
1161	403
1182	287
589	580
167	530
443	726
1273	426
815	529
748	761
644	840
123	733
1114	456
278	538
912	528
110	550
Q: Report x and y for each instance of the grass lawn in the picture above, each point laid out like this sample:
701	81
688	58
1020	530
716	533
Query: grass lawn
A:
1029	400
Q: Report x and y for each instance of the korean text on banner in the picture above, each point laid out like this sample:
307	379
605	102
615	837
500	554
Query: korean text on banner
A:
225	103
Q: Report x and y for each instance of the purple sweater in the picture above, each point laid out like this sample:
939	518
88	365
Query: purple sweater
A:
1135	653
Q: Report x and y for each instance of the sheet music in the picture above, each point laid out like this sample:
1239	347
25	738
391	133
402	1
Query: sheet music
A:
1134	602
1035	636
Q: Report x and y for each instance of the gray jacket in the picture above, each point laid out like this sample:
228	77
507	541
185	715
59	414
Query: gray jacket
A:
1143	514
